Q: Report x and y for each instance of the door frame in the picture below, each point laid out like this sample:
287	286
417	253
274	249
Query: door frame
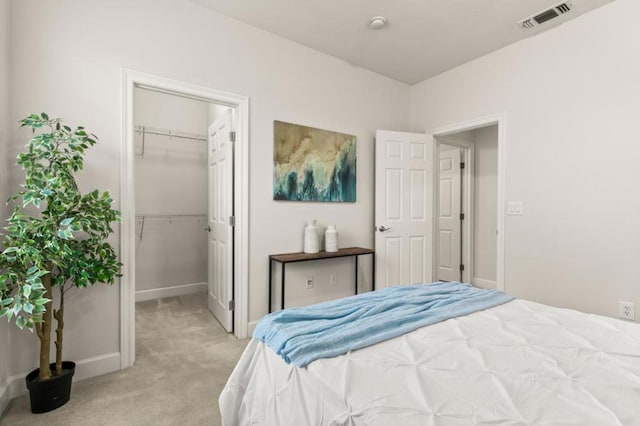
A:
240	103
474	123
467	204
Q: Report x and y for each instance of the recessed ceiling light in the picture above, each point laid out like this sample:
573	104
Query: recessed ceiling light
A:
377	22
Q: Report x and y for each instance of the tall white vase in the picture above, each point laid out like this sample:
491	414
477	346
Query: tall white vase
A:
331	239
311	238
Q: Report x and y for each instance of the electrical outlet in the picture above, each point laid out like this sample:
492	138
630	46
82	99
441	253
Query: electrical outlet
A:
515	208
309	282
333	279
627	310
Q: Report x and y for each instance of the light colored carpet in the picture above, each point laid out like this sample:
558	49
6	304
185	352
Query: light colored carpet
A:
183	360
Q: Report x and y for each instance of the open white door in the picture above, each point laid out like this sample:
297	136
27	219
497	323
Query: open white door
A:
220	225
449	251
403	208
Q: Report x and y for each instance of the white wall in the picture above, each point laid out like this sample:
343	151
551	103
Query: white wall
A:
485	167
171	176
572	101
74	71
5	368
171	179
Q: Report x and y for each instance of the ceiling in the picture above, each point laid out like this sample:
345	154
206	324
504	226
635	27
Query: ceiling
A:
422	38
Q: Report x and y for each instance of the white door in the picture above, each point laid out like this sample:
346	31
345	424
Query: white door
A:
449	250
220	227
403	208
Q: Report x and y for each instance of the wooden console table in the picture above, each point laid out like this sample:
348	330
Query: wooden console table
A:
285	258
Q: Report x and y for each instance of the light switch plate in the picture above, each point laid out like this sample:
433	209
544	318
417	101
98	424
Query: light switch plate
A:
515	208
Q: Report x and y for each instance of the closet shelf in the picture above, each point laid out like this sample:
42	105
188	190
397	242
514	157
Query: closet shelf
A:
168	216
142	218
145	130
170	133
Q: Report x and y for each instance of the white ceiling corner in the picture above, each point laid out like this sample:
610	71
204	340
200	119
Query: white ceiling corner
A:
422	38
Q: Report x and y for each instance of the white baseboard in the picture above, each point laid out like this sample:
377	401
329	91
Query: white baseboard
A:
85	369
97	366
177	290
481	282
15	386
4	398
5	393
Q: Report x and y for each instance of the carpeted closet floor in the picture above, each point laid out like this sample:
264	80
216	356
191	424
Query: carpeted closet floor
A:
183	360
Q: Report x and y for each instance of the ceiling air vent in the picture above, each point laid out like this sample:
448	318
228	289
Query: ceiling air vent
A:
545	15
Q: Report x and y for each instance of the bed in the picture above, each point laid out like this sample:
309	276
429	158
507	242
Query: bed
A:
517	363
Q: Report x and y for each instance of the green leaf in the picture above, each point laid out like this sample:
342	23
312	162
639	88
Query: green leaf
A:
67	221
21	322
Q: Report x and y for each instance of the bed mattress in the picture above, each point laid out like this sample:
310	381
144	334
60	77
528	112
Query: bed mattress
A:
520	363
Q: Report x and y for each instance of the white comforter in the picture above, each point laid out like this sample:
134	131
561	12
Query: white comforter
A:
520	363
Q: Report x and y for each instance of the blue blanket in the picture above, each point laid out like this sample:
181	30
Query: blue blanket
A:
302	335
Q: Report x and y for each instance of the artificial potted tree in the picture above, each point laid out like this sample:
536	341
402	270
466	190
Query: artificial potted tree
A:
55	240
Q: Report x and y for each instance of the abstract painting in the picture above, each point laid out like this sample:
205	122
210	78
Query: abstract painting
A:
312	164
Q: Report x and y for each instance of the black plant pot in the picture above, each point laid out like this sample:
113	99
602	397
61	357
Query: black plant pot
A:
54	393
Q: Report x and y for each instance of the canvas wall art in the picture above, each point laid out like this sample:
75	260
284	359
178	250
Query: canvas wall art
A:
313	164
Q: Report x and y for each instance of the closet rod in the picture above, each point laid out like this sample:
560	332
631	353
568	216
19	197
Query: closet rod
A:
143	217
144	130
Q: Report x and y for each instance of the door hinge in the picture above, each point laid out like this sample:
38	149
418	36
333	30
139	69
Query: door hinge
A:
461	267
232	221
232	305
232	136
462	165
461	216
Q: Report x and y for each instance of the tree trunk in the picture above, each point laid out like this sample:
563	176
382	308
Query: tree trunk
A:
44	331
59	315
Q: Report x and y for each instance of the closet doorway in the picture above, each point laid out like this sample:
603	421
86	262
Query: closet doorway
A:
467	207
184	194
184	200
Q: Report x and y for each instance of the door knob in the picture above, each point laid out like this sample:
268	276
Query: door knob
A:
383	229
208	228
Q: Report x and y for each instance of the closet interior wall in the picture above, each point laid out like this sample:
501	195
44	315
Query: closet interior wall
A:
171	194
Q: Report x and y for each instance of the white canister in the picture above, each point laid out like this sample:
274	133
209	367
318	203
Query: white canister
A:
331	239
311	238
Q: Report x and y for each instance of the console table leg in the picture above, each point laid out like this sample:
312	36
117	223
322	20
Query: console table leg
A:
282	302
356	274
270	283
373	271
